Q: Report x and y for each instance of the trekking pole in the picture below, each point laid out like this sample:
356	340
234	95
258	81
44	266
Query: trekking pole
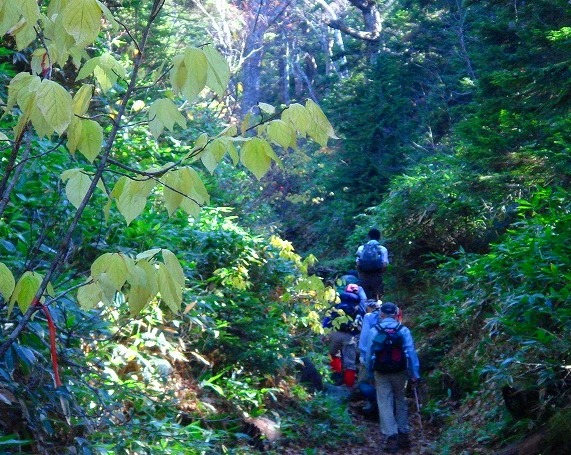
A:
415	388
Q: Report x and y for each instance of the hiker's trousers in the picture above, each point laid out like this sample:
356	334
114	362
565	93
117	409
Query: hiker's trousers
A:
346	343
393	408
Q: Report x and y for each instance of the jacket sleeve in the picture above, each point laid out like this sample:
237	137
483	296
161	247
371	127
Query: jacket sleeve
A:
384	255
363	338
358	254
408	346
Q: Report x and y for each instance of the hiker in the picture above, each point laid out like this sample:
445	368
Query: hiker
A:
343	338
365	381
391	357
372	261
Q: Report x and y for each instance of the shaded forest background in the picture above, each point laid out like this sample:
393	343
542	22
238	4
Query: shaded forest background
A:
453	132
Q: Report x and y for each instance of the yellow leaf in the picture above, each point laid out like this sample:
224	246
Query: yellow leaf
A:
105	77
73	135
108	15
164	113
10	13
78	184
90	140
171	292
138	298
114	266
254	155
40	59
149	254
214	152
55	104
196	66
198	191
39	122
133	197
267	108
174	267
175	189
23	29
21	81
298	117
218	72
178	74
281	133
82	98
138	105
82	20
7	282
90	296
320	129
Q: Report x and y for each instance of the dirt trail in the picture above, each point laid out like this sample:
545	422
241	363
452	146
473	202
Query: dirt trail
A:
421	440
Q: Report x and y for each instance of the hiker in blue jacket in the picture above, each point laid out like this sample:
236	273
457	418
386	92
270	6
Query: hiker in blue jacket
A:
391	386
372	260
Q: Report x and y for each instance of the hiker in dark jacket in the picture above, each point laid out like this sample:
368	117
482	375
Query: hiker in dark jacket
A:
391	386
371	270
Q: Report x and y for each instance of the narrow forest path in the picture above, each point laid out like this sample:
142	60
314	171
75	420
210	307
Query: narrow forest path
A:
422	438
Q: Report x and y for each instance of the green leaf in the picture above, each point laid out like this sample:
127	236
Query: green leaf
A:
218	73
255	155
7	281
25	290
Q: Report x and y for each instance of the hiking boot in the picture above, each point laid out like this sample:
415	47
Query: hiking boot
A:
392	444
403	441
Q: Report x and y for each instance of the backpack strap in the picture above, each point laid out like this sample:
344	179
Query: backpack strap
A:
380	328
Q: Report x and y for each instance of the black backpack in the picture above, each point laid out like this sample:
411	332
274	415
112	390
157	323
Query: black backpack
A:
371	259
388	352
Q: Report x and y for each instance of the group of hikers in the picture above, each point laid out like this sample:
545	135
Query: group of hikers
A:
370	349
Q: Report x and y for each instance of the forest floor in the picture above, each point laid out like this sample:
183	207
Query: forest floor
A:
422	436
